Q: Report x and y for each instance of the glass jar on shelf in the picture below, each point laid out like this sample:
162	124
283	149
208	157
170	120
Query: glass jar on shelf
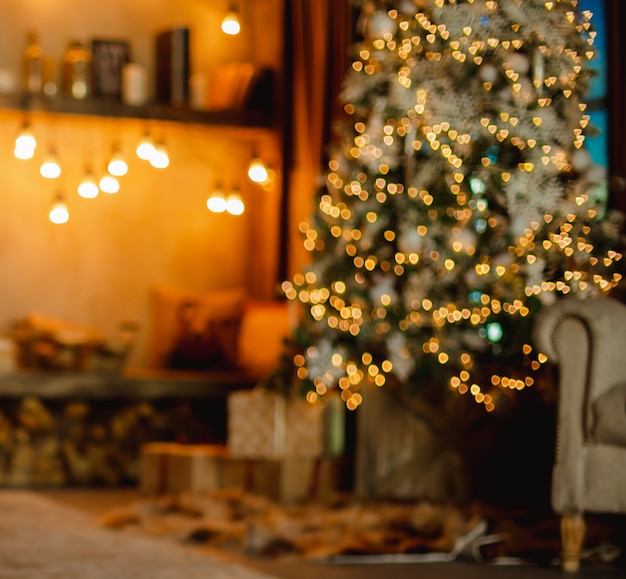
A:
32	76
77	71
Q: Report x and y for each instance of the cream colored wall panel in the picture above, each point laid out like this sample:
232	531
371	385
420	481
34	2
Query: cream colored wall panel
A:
97	268
137	21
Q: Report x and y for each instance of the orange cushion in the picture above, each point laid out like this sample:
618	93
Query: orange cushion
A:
264	326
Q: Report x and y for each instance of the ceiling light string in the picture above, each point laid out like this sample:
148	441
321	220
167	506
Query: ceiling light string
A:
234	202
153	149
114	165
224	196
88	186
25	141
231	23
145	147
220	202
59	212
117	165
49	168
259	170
160	159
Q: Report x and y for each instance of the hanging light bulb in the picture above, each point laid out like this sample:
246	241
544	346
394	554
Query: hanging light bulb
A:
216	201
109	184
257	172
50	169
160	158
25	143
88	188
59	213
234	204
117	165
23	153
230	24
271	178
145	149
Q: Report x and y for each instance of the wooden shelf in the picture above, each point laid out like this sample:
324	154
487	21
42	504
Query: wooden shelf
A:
152	111
133	384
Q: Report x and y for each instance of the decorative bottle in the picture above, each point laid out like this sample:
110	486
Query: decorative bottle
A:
77	71
33	65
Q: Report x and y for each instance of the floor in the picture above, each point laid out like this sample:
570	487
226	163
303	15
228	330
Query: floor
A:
98	501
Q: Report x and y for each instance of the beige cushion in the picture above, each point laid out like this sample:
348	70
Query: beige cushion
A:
609	412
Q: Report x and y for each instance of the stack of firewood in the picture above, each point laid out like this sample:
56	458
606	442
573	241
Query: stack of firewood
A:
75	443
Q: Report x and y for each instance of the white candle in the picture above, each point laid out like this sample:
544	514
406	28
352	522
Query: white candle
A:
134	84
7	82
198	90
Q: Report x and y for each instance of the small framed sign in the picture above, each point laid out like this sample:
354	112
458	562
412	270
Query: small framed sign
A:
109	57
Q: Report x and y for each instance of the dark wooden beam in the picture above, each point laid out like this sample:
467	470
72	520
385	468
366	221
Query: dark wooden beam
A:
616	100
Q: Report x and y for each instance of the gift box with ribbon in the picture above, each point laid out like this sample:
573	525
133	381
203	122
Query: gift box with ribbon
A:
267	425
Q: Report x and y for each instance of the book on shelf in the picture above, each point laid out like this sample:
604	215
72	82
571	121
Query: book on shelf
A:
172	66
109	58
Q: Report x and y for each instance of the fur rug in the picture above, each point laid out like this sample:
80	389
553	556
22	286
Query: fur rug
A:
258	527
348	530
40	539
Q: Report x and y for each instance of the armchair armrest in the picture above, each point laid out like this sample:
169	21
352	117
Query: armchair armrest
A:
598	321
587	339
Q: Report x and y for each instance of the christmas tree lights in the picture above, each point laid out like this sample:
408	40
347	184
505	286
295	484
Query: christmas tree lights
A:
460	200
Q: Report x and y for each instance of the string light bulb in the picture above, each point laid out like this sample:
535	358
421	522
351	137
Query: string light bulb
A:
88	188
59	213
216	203
257	171
234	204
50	169
25	143
117	165
271	178
231	24
145	148
109	184
159	159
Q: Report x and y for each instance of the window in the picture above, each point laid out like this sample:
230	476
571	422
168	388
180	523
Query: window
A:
597	101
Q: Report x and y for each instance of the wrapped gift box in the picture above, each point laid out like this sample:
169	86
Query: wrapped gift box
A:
173	468
289	480
196	468
266	425
154	460
283	481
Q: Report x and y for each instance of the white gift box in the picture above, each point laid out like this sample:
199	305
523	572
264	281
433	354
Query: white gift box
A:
263	424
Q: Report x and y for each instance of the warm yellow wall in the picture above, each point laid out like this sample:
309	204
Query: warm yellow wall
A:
97	269
59	21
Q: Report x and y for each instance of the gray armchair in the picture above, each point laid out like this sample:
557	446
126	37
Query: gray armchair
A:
586	338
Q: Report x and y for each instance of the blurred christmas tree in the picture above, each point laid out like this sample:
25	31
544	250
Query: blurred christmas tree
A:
460	199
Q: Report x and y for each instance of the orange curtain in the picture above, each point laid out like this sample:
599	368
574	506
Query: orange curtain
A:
317	44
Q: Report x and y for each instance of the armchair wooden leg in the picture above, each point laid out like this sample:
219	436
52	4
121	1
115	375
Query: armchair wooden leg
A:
572	539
